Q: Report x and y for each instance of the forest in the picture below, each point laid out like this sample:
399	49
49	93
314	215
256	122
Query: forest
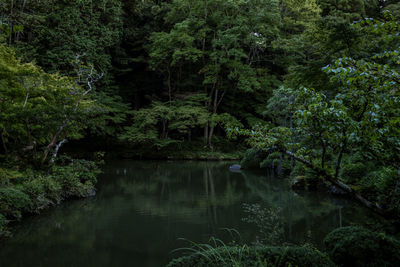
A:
307	89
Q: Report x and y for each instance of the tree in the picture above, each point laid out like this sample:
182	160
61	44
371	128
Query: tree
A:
40	111
362	115
166	123
219	44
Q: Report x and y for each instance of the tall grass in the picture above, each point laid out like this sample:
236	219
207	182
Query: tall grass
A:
218	253
216	250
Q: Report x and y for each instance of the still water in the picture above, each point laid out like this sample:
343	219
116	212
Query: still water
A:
142	208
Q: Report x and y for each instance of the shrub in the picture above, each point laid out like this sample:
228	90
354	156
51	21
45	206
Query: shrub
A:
353	172
273	160
52	189
68	180
14	202
86	170
77	178
356	246
256	256
43	191
252	159
298	170
380	185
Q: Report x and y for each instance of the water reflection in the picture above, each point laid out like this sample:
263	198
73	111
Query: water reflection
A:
143	207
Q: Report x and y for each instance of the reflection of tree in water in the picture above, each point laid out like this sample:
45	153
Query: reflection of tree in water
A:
269	224
181	190
306	216
143	207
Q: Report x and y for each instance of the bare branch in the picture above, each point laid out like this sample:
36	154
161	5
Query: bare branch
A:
56	150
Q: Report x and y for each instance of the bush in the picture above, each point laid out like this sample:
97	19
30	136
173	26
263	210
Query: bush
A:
68	180
253	158
257	256
77	178
380	185
37	190
43	191
298	170
353	172
52	189
273	160
86	170
14	202
356	246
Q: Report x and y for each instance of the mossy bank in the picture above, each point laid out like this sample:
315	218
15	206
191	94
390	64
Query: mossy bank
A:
29	191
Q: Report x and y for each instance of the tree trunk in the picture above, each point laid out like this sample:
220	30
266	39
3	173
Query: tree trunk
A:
11	22
22	11
210	137
339	184
206	134
323	155
214	111
58	146
53	142
340	157
163	129
291	138
169	85
279	170
3	141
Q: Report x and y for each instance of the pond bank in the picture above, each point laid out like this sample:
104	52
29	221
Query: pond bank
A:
143	207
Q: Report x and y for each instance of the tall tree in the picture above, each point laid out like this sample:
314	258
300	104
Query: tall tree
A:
216	47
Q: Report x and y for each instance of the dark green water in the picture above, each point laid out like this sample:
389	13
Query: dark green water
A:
142	208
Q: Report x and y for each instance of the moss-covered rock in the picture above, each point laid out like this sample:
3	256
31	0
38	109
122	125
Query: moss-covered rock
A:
258	256
356	246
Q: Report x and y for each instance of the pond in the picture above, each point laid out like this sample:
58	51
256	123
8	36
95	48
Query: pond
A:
142	208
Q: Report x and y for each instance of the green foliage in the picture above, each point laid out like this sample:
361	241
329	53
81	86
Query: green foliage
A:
14	202
298	170
60	29
315	79
268	222
164	124
382	186
257	256
360	115
252	159
77	178
356	246
216	48
37	190
44	192
39	109
312	179
353	172
280	105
